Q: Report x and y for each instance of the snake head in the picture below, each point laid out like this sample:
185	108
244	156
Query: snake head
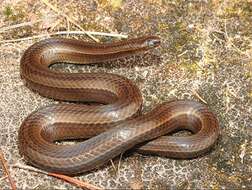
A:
152	41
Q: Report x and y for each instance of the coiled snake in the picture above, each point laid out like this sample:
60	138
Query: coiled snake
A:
112	127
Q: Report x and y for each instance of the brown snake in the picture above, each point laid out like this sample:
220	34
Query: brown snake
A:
112	127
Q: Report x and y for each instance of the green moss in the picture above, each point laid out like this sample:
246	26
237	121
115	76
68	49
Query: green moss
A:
179	34
7	11
191	67
247	9
238	9
248	75
181	39
14	15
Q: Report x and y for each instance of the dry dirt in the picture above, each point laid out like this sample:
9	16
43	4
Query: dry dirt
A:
205	54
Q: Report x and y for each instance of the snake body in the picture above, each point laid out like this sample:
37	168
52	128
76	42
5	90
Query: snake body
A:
113	126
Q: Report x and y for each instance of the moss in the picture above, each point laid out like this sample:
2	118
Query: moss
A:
191	67
180	35
248	75
238	9
7	11
247	9
14	14
112	4
250	94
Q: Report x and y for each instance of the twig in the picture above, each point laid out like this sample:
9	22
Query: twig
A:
55	24
5	29
199	97
68	27
113	166
3	178
117	169
29	168
64	33
6	171
184	52
119	164
76	182
68	18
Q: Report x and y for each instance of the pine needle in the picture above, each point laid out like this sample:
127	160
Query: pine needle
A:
63	33
75	182
7	28
199	97
6	171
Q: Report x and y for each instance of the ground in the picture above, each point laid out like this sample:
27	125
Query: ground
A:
205	55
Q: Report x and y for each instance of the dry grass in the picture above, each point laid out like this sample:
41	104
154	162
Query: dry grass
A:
205	55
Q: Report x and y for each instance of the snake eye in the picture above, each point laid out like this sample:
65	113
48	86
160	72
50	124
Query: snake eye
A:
153	42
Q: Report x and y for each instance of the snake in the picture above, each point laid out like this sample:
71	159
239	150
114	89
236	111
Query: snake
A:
102	111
